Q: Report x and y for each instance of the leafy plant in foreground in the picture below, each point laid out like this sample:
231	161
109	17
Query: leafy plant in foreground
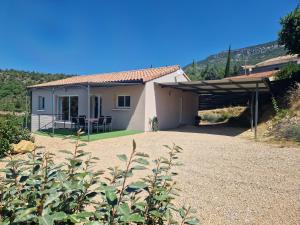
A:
39	191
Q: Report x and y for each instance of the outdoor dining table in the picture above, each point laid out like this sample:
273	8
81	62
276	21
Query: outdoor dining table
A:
91	121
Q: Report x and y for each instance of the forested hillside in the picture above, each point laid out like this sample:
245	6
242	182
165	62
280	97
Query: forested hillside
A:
13	85
213	66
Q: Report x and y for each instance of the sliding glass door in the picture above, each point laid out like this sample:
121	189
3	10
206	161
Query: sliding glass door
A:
74	106
67	107
96	106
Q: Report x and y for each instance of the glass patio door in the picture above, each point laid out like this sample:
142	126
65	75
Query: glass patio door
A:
96	107
67	107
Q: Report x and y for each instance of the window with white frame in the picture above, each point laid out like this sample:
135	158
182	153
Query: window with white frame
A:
41	104
123	101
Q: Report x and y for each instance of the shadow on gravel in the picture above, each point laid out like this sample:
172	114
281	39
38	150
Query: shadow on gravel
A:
216	129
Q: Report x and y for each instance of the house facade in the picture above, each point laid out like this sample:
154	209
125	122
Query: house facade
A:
131	98
267	68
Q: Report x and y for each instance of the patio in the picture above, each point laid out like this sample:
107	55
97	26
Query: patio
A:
63	133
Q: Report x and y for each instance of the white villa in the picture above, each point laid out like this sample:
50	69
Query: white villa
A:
130	98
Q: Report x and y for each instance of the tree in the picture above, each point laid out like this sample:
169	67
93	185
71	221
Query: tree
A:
288	71
236	69
289	36
194	67
227	68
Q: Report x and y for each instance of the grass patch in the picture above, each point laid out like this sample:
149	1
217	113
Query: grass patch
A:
93	137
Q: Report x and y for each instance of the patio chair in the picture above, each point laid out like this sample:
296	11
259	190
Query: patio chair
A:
82	116
74	123
108	123
100	124
82	123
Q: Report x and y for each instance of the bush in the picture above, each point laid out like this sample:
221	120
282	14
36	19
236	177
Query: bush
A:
294	98
292	132
288	71
153	124
216	118
11	132
38	191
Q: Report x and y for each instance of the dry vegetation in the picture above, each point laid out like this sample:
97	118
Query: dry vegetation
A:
285	125
220	115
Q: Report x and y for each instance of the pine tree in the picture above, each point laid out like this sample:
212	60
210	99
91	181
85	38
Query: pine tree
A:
194	67
227	69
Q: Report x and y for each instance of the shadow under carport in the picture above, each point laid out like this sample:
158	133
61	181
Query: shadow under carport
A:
223	129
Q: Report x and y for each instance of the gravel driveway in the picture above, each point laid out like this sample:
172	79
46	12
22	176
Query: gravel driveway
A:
229	180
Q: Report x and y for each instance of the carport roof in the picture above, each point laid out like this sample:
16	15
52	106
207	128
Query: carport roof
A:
221	86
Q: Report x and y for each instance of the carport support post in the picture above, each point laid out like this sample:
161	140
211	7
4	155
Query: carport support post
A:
89	99
53	110
26	110
251	110
256	110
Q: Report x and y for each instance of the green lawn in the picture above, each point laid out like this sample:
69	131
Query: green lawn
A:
84	137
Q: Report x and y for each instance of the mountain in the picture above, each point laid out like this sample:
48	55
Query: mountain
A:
13	87
213	66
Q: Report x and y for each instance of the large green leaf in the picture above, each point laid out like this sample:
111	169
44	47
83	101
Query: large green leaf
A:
124	209
59	216
138	185
93	223
138	167
141	154
52	197
111	197
24	215
137	218
122	157
46	220
192	221
74	219
141	161
140	205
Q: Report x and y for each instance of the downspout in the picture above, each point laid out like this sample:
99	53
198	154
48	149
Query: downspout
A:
53	111
88	112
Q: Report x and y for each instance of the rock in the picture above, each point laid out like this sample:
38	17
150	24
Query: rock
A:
23	147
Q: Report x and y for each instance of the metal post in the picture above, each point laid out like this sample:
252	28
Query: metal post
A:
88	116
39	116
26	110
53	110
256	110
251	109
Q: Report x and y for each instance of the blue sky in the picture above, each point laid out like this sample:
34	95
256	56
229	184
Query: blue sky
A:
85	37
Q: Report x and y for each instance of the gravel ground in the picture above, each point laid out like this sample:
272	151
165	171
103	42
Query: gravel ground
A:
227	179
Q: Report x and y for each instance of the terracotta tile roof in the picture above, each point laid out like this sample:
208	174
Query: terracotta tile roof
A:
142	75
267	74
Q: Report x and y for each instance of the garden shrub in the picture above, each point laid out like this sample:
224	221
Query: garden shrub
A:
153	123
216	118
39	191
292	132
11	132
288	71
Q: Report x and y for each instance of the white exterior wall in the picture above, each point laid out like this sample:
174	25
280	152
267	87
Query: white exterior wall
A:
132	118
164	103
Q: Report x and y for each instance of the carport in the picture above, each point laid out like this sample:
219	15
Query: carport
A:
226	86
